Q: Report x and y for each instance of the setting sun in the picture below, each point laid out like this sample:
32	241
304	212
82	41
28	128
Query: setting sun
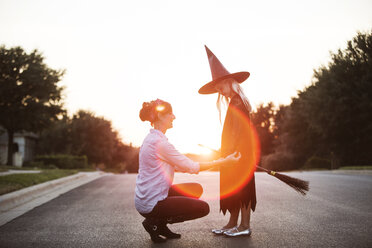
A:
204	150
162	59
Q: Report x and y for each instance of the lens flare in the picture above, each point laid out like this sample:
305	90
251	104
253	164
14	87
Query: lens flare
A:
160	108
233	179
236	177
188	190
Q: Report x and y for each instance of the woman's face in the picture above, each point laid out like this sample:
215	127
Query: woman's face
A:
167	119
224	87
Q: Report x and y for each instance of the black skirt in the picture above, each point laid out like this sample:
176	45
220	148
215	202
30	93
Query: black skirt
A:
242	197
237	182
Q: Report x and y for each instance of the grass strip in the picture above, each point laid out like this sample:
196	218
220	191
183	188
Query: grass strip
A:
13	182
364	167
4	168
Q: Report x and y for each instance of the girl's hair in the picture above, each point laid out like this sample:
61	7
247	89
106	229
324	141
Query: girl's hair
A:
235	86
150	110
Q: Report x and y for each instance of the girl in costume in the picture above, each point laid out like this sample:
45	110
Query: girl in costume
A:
156	198
237	183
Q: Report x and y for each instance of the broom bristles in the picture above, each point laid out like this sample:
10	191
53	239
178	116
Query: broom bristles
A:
299	185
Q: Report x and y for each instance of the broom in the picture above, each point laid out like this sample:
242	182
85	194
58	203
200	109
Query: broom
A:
299	185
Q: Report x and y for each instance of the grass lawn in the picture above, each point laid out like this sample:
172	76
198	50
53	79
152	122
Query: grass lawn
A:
364	167
13	182
4	168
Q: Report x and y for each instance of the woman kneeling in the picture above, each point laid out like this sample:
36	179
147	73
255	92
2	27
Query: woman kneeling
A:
156	198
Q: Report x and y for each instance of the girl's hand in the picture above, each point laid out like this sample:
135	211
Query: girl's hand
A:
233	158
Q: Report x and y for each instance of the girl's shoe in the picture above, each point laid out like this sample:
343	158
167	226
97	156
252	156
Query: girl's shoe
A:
234	232
222	230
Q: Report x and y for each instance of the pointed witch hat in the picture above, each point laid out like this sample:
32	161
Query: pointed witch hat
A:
220	73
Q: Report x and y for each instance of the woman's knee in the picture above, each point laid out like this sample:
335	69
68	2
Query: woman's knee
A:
203	209
194	190
198	190
198	210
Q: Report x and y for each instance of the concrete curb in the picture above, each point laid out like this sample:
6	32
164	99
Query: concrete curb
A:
14	199
20	202
10	172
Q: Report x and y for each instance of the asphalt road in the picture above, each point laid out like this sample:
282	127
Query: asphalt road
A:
337	212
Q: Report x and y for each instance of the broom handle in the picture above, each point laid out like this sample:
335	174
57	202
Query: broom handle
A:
270	172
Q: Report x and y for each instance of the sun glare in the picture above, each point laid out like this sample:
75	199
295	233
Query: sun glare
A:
160	108
203	150
236	179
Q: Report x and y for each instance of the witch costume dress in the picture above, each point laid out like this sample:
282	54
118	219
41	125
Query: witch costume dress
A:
237	183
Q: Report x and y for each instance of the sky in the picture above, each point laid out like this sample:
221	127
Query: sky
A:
119	54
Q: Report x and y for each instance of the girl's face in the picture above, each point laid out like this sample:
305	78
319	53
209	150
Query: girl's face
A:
224	87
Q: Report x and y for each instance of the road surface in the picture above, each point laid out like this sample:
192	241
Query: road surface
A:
337	212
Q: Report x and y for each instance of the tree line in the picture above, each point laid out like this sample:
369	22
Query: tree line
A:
328	124
31	100
85	134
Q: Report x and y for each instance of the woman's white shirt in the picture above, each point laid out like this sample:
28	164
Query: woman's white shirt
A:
158	159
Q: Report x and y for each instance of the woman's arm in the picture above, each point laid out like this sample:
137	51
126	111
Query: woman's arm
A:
229	160
167	152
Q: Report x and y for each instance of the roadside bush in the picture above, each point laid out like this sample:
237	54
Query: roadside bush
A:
132	162
61	161
315	162
121	167
278	162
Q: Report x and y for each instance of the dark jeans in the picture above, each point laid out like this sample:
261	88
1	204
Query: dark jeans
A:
178	206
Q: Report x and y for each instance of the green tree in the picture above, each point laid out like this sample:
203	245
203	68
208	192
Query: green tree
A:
300	139
263	120
132	159
56	139
30	99
332	117
92	136
278	121
339	103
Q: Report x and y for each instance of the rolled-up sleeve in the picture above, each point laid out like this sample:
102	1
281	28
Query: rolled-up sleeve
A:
168	153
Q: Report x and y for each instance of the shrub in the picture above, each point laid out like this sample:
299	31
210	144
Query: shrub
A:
278	161
120	167
62	161
315	162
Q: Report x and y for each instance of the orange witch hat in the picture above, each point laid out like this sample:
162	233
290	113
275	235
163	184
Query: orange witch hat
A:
219	73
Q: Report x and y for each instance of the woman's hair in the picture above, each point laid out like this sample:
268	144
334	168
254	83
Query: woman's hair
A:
235	86
150	110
